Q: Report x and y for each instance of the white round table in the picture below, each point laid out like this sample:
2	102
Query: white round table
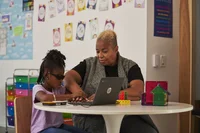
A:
113	114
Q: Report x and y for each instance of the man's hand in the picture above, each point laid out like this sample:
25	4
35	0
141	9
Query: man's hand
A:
91	97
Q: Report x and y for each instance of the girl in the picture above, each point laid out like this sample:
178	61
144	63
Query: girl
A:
49	89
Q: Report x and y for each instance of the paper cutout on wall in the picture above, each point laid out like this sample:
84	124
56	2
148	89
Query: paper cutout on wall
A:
91	4
18	31
41	13
68	32
52	8
116	3
94	28
28	21
70	7
139	3
11	4
81	5
28	5
5	18
80	32
109	25
60	5
103	5
3	41
56	37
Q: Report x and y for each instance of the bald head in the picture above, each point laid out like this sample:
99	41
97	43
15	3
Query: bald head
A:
108	36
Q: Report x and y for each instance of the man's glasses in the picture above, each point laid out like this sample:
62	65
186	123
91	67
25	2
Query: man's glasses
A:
58	76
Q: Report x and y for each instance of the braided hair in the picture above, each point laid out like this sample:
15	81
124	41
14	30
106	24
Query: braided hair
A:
53	60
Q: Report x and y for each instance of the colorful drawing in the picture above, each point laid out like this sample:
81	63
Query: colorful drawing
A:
3	41
139	3
109	25
28	5
80	32
81	4
52	8
28	21
103	5
68	32
56	37
94	28
5	18
91	4
18	31
70	7
41	13
60	5
116	3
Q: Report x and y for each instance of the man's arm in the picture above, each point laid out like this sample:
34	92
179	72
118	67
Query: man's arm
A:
135	90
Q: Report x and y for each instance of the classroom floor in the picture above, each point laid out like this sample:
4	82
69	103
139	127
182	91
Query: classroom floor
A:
10	130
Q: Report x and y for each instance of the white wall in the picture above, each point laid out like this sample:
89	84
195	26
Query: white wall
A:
130	26
170	73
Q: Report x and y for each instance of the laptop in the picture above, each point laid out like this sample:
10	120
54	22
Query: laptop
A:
106	93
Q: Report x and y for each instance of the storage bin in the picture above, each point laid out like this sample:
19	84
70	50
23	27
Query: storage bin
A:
10	92
10	103
10	87
10	98
21	92
24	79
11	121
11	110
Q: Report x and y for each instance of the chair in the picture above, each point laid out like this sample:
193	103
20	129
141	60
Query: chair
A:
23	111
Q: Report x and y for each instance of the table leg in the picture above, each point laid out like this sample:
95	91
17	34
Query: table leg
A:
113	123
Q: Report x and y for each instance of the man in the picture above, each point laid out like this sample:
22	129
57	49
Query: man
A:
85	77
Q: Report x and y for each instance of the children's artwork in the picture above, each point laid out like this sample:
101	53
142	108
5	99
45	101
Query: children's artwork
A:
80	32
70	7
52	8
28	5
163	18
116	3
94	28
3	41
60	5
5	18
139	3
91	4
18	44
41	13
18	31
103	5
81	5
109	25
68	32
56	37
28	21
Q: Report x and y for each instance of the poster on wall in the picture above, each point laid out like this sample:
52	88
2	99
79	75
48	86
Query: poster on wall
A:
3	41
94	28
68	32
56	37
41	13
60	5
52	8
116	3
16	42
28	5
103	5
81	5
70	7
5	18
80	31
91	4
109	25
139	3
163	20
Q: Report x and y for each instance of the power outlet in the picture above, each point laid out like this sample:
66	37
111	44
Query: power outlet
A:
163	60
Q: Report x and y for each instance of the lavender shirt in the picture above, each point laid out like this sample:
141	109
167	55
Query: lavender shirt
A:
43	119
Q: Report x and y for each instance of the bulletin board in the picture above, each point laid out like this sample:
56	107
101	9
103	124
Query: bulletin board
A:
15	31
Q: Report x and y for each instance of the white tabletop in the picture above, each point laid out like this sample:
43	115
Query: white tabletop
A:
134	109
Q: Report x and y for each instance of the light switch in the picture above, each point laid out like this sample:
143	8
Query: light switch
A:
155	60
163	60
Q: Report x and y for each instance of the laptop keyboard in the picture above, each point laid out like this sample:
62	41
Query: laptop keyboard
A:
81	103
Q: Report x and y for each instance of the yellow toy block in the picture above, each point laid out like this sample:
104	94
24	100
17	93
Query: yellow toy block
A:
123	102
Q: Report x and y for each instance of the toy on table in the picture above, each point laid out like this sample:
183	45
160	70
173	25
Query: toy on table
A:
123	98
156	93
